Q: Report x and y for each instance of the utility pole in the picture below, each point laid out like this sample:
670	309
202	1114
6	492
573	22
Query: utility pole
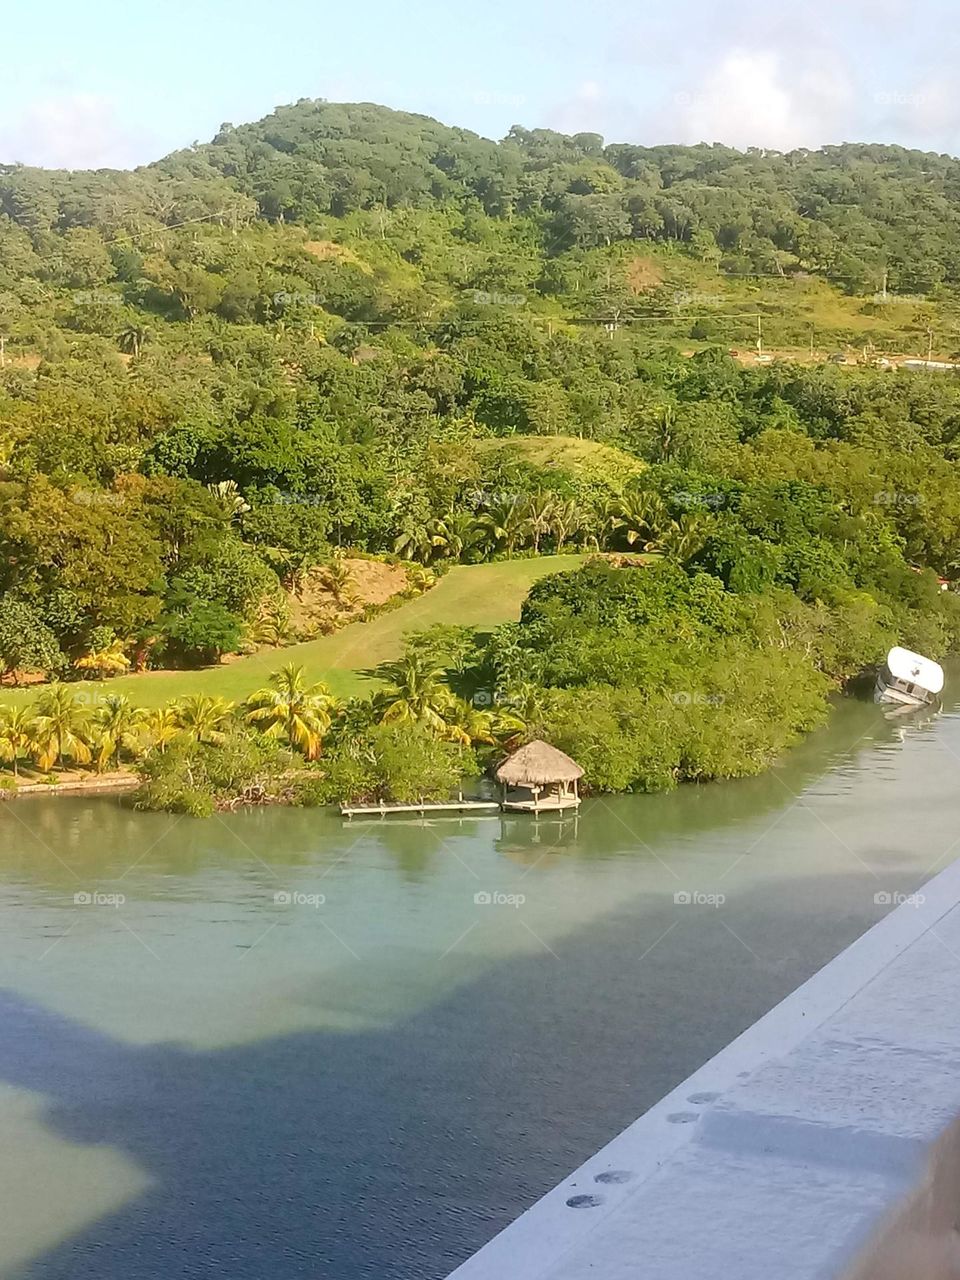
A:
759	336
812	330
929	345
3	355
883	290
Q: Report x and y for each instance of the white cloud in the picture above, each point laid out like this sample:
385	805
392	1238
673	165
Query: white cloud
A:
75	131
747	99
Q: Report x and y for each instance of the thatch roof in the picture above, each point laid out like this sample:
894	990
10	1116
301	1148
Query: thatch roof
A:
537	764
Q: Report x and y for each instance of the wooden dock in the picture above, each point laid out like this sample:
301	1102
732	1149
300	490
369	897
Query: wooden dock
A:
453	806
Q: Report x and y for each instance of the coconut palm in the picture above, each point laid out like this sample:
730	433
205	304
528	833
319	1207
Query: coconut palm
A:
468	724
504	524
116	725
540	507
109	661
415	692
684	538
133	339
159	728
338	580
566	520
229	497
16	734
643	517
292	710
61	728
414	542
202	718
452	534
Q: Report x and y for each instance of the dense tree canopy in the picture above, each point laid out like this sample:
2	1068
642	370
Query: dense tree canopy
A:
348	327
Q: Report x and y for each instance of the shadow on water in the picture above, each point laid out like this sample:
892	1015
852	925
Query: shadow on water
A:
394	1154
394	1151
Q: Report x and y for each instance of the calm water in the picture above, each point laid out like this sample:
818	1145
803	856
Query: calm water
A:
223	1075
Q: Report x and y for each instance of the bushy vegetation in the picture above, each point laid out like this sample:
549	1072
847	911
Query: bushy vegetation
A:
350	329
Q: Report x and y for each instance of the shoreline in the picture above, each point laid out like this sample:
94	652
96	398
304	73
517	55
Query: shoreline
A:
119	781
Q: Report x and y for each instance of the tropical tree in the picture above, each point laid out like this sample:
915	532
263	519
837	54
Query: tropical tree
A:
16	734
116	726
290	709
273	625
107	661
337	578
414	541
566	520
504	524
159	728
684	538
202	718
415	692
540	508
229	498
133	339
642	516
452	534
61	728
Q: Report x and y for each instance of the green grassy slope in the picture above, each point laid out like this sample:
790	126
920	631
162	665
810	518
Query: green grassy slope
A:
478	596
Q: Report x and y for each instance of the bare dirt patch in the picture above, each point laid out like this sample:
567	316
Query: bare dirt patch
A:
643	275
318	608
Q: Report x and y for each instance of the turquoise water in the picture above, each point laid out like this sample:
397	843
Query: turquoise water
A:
279	1044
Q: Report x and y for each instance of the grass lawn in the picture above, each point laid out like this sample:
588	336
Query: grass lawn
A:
479	596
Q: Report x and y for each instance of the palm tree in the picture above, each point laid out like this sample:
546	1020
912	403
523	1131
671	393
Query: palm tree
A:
642	515
452	534
295	568
292	710
109	661
159	728
504	523
540	509
203	718
115	728
414	542
523	702
338	580
415	692
61	728
132	340
566	520
468	724
684	538
16	734
229	497
273	625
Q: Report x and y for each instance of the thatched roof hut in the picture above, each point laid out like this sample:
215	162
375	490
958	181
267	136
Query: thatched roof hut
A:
538	763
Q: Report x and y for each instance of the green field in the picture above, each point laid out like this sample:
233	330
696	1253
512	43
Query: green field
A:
480	596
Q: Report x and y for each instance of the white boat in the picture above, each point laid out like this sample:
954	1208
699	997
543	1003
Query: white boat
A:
908	680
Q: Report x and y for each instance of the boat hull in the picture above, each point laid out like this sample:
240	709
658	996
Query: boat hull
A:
888	694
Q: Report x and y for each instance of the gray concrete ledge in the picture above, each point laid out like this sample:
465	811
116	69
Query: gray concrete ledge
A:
777	1157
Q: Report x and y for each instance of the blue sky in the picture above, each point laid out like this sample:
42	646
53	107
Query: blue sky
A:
110	83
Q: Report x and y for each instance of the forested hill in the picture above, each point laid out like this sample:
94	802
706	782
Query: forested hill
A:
850	212
230	378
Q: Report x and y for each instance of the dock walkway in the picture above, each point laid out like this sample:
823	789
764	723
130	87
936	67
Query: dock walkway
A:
453	806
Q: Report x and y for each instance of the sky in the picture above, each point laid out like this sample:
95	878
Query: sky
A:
106	83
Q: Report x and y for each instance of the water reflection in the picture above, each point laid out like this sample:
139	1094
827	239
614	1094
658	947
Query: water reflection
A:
358	1049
